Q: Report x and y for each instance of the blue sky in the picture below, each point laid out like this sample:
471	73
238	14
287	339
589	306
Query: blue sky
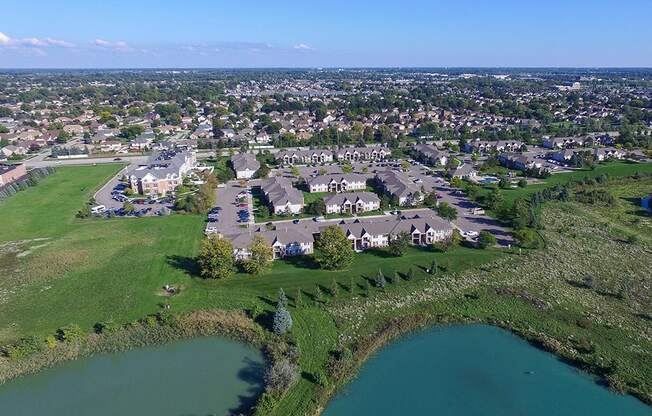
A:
283	33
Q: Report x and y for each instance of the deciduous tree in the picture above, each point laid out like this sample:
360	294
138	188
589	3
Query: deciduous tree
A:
216	258
333	249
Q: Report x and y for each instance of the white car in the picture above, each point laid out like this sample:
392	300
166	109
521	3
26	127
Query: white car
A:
470	234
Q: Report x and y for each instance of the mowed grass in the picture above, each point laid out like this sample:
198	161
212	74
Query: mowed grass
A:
88	271
48	210
302	274
91	270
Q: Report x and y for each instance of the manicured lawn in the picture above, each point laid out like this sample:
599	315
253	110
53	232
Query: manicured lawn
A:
309	197
86	271
48	209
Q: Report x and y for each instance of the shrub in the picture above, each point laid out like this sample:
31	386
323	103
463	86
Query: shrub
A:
24	348
280	376
70	333
256	311
320	378
150	321
527	238
50	341
486	239
106	327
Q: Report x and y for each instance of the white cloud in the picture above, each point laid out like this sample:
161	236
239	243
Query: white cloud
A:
117	45
303	47
33	42
60	43
4	39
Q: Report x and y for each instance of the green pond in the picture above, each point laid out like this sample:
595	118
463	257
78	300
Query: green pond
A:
475	370
202	376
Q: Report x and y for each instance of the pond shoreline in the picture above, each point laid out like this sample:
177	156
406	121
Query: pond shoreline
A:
393	329
232	325
237	326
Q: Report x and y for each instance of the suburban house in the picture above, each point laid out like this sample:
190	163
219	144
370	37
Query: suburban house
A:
363	153
424	228
519	161
428	153
281	196
563	142
284	243
163	174
399	186
609	153
110	146
11	150
11	173
338	182
463	171
143	141
244	165
351	202
564	155
487	146
293	157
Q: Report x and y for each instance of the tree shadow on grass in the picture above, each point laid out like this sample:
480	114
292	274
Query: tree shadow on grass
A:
187	264
303	262
378	252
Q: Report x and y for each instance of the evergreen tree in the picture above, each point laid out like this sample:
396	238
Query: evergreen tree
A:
410	274
380	280
396	278
282	320
298	299
433	267
318	294
282	299
334	289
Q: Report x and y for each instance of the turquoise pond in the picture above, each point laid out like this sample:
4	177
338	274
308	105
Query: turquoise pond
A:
475	370
203	376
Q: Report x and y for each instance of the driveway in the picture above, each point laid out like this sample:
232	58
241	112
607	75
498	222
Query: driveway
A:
466	221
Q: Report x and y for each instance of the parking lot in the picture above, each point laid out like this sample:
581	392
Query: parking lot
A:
226	217
112	197
229	221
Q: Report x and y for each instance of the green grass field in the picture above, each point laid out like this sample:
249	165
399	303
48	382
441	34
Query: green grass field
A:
613	169
85	271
